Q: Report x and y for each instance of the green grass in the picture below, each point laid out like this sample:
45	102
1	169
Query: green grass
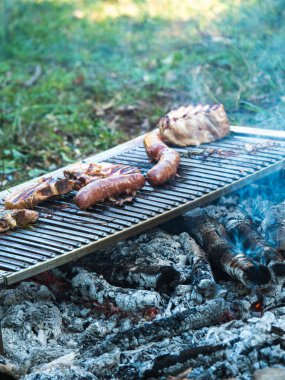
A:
110	69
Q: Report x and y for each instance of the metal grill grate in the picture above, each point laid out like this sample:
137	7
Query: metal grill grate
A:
64	233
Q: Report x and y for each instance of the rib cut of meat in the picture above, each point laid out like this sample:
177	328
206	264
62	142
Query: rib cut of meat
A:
194	125
44	189
10	219
103	181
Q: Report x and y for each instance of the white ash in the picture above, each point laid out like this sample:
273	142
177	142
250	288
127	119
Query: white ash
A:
93	287
61	372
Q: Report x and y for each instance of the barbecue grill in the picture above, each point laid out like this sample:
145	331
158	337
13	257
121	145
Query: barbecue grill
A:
64	233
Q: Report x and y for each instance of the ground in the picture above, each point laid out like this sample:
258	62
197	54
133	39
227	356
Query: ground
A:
80	76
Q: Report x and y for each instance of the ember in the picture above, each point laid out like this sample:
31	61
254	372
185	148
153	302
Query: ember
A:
257	306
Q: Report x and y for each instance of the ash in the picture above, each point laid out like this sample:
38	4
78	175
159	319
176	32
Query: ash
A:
159	305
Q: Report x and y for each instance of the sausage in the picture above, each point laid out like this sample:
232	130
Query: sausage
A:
106	188
167	159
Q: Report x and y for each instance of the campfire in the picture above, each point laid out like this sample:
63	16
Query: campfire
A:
200	297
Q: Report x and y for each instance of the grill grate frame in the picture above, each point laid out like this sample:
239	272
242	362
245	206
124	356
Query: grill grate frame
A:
65	233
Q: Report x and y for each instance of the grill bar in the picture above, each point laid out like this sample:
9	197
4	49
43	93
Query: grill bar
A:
64	233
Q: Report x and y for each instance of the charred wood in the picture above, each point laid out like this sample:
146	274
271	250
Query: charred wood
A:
134	271
162	364
194	318
91	286
240	226
273	225
202	276
156	260
212	236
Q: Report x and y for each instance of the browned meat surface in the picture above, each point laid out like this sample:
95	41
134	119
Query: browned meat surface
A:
194	125
10	219
46	188
84	173
168	159
103	181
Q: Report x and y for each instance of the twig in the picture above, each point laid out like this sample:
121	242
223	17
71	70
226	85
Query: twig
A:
33	79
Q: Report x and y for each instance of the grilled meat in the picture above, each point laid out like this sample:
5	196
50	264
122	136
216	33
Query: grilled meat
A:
44	189
212	236
194	125
100	182
11	219
84	173
168	159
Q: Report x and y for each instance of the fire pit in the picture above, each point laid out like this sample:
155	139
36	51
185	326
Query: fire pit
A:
200	297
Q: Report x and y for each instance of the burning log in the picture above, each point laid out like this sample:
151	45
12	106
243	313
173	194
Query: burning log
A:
212	236
241	227
93	287
134	270
156	260
273	225
159	277
202	276
166	327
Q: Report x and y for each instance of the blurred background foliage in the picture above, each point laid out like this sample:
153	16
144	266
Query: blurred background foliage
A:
79	76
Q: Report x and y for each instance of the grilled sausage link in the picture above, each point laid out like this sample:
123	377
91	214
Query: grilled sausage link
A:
106	188
167	159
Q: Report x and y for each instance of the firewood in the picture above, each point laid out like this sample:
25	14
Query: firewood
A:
273	225
167	363
202	276
240	226
191	319
93	287
134	271
212	236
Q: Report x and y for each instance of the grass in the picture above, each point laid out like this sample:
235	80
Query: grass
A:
79	76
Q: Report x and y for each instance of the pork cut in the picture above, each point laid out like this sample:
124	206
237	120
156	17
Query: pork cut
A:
194	125
42	190
11	219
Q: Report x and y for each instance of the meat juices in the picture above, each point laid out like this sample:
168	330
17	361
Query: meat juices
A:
194	125
11	219
168	159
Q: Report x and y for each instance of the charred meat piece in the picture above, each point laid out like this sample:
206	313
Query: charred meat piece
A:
194	125
103	181
212	236
43	190
273	225
241	227
11	219
167	159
